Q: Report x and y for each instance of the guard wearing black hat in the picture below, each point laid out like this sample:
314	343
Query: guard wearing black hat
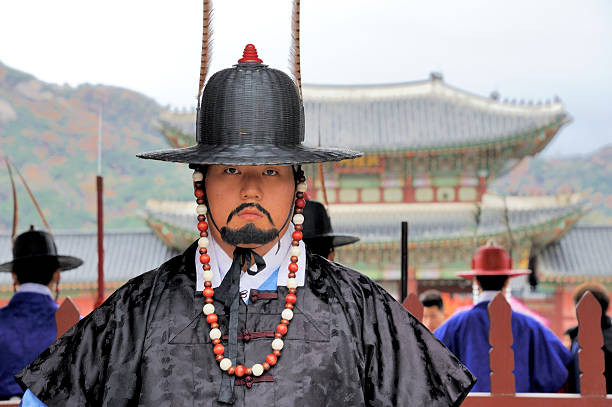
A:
319	235
27	323
245	316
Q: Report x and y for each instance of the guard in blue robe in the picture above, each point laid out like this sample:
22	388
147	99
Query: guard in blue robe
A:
540	359
27	323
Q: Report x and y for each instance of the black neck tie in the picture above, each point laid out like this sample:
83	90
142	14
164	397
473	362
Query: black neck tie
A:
229	294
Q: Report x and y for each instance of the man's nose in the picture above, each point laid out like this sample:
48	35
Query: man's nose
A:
251	188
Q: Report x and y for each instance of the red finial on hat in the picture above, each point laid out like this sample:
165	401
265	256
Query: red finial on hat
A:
249	54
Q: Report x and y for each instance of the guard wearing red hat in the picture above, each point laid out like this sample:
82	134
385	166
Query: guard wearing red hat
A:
540	359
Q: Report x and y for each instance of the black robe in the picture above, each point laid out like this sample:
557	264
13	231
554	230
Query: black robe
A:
349	344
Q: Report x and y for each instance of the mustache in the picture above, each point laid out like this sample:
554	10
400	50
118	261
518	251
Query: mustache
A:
249	205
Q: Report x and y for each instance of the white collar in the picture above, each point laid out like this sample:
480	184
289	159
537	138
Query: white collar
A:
220	263
486	296
34	288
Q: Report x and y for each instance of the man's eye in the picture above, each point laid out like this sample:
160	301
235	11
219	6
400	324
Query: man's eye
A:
270	172
231	170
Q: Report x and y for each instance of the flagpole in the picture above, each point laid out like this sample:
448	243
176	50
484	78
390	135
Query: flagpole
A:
100	204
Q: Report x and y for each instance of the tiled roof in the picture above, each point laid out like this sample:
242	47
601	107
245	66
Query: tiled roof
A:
416	115
583	251
407	116
126	254
381	222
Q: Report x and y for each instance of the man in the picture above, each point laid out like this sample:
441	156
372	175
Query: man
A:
27	323
602	296
540	359
433	309
319	236
184	334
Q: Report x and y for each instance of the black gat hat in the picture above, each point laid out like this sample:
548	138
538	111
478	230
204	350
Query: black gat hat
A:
318	229
250	115
38	245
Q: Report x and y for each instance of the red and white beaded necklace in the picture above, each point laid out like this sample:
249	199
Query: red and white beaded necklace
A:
209	309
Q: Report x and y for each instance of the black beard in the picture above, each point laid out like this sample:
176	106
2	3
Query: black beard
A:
248	234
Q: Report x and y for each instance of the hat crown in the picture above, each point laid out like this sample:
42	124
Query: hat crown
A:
34	243
317	221
251	104
491	258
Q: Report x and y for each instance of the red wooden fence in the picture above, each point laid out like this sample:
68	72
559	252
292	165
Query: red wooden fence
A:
501	360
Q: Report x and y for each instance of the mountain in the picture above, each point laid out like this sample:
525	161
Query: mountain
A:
591	174
50	134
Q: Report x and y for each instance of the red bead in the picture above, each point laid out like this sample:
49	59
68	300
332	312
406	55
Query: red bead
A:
200	201
219	358
219	349
279	336
300	195
281	329
231	370
299	210
271	359
266	365
204	258
208	292
293	267
288	306
204	234
207	283
248	371
214	325
201	217
199	193
211	318
285	321
202	226
294	259
290	299
297	235
292	291
300	203
295	243
203	250
205	266
239	371
216	341
277	353
209	300
298	227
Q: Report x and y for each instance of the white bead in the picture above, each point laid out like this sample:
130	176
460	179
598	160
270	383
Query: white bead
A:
215	333
197	176
201	209
208	309
302	187
295	251
287	314
203	242
208	275
277	344
225	364
257	369
291	283
298	219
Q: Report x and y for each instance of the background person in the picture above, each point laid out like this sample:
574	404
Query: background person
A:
27	323
540	359
433	309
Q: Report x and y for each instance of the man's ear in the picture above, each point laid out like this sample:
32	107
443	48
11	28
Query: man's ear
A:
15	280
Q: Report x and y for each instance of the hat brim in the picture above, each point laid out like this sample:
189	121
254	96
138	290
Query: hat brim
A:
471	274
65	262
250	154
336	240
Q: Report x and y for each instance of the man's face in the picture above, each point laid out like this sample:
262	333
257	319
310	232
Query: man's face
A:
432	317
249	203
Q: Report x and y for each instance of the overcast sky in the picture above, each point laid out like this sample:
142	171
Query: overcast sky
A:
523	49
